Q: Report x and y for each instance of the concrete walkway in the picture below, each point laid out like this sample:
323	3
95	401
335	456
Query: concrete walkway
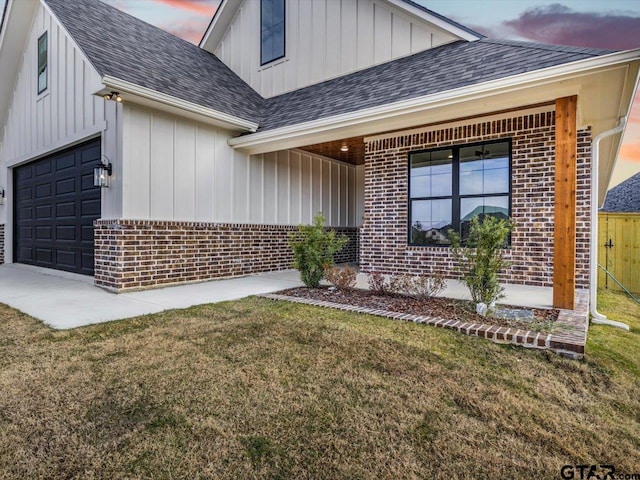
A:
67	300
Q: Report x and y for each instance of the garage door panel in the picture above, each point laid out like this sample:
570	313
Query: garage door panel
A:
43	233
90	155
86	182
25	194
44	256
43	191
55	207
65	210
66	162
43	212
66	232
43	168
65	186
90	208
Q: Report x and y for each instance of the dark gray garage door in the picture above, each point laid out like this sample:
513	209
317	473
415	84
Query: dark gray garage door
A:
55	206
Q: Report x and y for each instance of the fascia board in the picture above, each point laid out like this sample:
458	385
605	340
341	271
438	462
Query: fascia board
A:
503	85
154	97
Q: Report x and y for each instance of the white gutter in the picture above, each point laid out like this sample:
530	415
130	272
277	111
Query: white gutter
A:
230	121
597	317
447	97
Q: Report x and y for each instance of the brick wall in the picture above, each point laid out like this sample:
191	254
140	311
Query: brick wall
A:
383	237
135	254
1	244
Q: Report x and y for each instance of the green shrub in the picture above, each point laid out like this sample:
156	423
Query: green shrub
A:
481	259
313	250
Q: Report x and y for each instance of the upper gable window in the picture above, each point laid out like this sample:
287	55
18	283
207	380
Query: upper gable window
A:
42	62
271	30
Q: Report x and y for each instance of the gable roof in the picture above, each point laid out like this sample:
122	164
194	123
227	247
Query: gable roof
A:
447	67
227	9
126	48
624	197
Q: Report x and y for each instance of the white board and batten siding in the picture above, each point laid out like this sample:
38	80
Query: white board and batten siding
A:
177	169
66	113
324	39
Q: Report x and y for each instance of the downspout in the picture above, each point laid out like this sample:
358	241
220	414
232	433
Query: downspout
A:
597	317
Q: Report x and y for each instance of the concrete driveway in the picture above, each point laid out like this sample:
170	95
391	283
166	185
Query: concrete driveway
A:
66	300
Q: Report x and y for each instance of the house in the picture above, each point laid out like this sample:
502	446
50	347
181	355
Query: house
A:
379	113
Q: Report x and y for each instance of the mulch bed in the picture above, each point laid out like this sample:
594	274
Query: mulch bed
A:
441	307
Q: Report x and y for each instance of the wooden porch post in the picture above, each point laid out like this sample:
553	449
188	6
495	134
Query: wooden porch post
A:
564	224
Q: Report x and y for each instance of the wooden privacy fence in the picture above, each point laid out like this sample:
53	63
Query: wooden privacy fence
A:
619	250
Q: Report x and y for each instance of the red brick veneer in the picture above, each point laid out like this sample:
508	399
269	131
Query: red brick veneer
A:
135	254
383	237
1	244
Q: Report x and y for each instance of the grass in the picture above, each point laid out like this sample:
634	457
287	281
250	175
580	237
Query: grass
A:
259	389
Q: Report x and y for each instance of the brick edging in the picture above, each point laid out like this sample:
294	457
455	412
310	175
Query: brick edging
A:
569	342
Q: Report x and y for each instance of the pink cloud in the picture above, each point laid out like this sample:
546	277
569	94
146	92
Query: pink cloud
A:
559	24
203	7
190	30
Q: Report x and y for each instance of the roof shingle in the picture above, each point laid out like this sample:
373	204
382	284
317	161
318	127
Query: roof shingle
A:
439	69
127	48
624	197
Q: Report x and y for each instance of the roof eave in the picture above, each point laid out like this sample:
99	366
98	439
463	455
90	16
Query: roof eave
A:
13	36
161	101
219	24
442	23
252	142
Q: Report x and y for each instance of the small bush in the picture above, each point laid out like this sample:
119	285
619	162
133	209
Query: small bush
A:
417	286
313	250
481	259
378	283
341	278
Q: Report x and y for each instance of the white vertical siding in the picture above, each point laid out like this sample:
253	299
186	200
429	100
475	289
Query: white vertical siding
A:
324	39
176	169
65	114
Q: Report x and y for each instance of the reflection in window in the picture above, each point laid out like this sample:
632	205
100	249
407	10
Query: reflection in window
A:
42	63
431	182
272	30
449	187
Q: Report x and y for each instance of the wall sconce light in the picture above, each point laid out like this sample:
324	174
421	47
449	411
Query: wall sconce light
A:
101	174
344	148
2	195
115	96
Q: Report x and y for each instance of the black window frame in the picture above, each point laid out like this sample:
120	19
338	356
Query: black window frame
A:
284	35
455	187
44	36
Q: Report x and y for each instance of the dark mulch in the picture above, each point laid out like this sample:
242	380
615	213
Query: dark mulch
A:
447	308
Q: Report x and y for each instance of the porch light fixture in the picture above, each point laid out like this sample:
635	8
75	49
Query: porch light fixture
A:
2	195
101	174
115	96
344	148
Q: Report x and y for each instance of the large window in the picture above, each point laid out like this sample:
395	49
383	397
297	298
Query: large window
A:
450	186
272	26
42	63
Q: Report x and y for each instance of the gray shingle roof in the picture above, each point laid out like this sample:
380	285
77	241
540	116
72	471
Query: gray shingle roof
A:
439	69
127	48
624	197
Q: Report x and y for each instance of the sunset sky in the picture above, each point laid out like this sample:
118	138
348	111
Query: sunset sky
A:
612	24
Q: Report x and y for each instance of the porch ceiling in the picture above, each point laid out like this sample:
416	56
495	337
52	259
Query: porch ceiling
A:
354	155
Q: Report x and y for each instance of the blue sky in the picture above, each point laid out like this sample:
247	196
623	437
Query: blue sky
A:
613	24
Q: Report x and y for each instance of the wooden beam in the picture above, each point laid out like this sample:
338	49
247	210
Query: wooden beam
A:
564	224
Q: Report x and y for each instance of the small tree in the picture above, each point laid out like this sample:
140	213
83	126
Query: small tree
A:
481	259
313	250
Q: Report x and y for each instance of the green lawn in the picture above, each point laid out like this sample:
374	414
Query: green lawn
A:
258	389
